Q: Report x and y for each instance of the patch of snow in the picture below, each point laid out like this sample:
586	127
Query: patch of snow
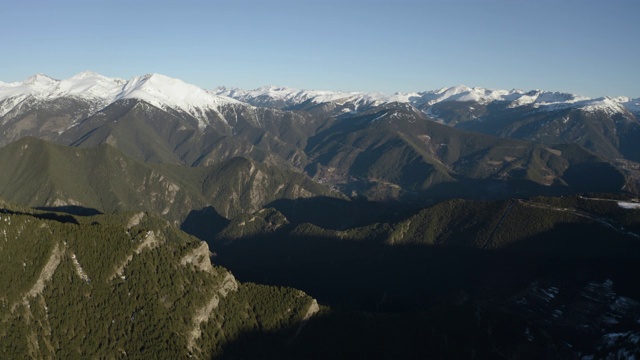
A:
632	105
613	338
628	205
379	117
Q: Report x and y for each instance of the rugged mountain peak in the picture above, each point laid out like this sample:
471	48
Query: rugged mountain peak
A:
630	104
454	90
606	104
163	91
86	74
278	96
39	79
282	97
557	101
154	88
83	85
158	90
276	89
89	85
460	93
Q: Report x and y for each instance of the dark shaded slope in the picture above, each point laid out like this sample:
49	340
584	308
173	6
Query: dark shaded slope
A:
450	247
537	278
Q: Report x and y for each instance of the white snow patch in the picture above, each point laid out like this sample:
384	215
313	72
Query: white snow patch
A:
628	205
630	104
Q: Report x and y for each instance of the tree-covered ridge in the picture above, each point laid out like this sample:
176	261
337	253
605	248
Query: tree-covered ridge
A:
546	277
456	243
127	285
41	174
489	225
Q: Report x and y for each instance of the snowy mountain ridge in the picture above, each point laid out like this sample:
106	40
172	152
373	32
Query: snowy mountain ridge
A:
158	90
292	97
166	92
538	99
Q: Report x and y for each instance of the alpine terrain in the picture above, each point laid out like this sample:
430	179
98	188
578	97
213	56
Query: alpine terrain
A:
151	218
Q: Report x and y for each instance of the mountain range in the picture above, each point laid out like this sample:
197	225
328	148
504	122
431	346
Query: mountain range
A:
542	116
284	97
454	223
372	145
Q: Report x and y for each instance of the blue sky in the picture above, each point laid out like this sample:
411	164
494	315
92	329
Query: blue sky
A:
582	46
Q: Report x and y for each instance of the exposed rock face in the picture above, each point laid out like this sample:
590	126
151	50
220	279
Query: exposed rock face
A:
199	257
123	276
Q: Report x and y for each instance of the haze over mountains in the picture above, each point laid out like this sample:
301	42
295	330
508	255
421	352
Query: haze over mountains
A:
401	212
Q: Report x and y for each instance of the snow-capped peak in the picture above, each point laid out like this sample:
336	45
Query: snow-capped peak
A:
537	99
86	74
163	91
89	85
166	92
630	104
284	94
270	95
454	90
158	90
606	104
39	80
84	85
460	93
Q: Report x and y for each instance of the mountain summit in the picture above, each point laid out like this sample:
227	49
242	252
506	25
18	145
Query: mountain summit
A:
158	90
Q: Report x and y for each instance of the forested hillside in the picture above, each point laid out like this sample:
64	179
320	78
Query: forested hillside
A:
127	285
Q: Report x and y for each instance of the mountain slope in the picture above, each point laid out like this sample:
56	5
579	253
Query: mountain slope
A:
152	118
38	173
396	148
607	129
544	275
126	285
604	125
372	145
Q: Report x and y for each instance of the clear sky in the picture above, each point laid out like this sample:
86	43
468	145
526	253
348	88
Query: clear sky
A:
586	47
